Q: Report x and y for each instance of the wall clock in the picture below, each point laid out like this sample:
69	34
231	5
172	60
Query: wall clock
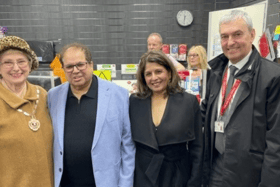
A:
184	17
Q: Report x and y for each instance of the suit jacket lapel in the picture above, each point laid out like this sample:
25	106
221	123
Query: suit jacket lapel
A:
246	90
60	109
241	94
142	127
102	107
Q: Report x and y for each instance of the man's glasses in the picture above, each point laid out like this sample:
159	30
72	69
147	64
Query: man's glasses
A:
194	55
10	64
80	66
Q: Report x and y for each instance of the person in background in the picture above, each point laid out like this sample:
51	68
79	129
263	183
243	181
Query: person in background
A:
154	42
241	111
166	127
26	133
197	61
92	137
197	58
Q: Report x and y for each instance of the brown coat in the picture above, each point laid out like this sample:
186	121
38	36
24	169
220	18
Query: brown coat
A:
25	155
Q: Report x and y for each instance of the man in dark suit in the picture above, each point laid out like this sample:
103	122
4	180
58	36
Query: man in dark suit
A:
241	112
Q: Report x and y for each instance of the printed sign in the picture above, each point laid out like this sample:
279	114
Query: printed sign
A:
103	74
129	68
111	67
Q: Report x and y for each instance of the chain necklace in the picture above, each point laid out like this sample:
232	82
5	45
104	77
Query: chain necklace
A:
33	123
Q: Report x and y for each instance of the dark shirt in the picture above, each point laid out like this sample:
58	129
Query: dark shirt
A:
80	118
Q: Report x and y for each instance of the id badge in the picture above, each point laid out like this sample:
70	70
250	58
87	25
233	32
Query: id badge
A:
219	126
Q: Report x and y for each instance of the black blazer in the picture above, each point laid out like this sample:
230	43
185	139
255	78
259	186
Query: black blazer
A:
183	120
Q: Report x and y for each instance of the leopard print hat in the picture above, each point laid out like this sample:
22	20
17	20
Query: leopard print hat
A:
15	42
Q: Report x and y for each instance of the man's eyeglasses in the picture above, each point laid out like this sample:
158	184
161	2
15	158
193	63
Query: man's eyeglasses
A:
80	66
195	55
10	64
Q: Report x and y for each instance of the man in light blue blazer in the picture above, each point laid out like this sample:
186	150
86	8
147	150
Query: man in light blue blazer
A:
92	136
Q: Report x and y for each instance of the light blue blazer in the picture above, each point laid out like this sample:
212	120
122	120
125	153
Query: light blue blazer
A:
113	151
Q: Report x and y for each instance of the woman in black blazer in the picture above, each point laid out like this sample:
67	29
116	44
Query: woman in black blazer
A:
166	127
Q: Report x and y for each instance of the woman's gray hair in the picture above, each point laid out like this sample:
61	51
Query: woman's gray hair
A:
237	14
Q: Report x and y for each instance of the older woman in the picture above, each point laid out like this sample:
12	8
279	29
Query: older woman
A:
197	58
197	61
166	127
25	125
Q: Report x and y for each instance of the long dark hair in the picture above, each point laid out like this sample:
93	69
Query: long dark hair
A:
143	91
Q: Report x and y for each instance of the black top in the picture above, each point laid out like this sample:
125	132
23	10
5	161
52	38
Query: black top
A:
162	158
175	167
80	118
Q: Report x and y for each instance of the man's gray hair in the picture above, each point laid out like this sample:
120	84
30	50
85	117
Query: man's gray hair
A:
155	34
237	14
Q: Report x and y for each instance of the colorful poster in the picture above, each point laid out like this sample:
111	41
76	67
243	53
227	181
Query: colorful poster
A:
277	33
192	85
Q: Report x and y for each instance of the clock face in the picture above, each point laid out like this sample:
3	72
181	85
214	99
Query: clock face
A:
184	17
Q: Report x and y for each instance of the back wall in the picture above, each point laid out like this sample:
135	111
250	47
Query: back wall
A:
115	31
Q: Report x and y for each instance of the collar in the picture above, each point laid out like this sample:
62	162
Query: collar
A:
239	65
246	73
13	100
92	91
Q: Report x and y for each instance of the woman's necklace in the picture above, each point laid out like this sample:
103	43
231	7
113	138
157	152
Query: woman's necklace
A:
33	123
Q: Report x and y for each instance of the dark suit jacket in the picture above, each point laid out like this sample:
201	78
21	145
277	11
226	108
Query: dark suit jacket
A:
252	147
183	120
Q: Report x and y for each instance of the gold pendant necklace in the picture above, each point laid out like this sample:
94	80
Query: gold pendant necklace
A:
33	123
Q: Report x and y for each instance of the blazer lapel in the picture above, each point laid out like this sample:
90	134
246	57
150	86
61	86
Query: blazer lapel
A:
241	94
246	76
102	107
142	127
148	124
60	110
246	90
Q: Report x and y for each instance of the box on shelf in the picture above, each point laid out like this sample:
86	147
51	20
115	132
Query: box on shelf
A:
166	48
174	50
182	52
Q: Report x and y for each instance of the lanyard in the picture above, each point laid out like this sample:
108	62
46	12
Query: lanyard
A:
226	101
